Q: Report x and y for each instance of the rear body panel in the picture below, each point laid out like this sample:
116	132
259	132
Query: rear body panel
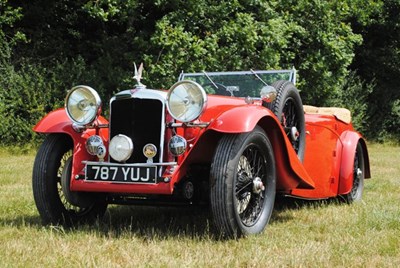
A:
329	157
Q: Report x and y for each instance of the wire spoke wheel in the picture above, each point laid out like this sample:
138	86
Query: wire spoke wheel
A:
243	183
61	170
65	170
52	169
290	122
249	185
357	188
357	175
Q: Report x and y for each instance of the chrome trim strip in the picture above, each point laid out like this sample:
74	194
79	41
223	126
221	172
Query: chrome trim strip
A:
129	165
188	124
182	75
121	182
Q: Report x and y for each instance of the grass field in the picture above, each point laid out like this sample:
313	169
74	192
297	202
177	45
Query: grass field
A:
300	234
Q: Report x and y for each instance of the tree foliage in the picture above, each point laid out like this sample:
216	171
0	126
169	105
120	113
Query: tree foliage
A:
47	47
378	61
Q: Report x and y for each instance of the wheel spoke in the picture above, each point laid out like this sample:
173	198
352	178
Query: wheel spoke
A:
290	120
356	176
250	203
72	209
259	167
243	187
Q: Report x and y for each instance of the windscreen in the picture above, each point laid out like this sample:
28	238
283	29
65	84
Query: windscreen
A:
238	84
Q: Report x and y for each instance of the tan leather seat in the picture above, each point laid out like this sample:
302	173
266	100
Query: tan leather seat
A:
341	114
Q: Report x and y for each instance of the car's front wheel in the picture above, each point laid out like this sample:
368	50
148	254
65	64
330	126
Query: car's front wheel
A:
53	161
242	184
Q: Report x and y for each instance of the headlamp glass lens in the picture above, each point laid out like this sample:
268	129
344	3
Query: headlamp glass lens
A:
186	101
82	105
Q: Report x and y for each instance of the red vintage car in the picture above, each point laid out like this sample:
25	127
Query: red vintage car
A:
232	140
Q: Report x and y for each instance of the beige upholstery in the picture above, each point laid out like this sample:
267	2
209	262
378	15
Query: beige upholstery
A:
341	114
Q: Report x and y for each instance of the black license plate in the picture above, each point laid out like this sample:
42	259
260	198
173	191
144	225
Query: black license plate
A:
121	174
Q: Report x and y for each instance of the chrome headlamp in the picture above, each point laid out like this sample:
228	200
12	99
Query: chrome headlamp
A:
83	105
186	101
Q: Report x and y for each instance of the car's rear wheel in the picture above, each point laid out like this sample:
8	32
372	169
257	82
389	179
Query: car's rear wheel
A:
53	161
288	108
358	177
242	184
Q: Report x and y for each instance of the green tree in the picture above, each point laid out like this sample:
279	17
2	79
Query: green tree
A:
217	37
322	46
314	36
96	42
378	61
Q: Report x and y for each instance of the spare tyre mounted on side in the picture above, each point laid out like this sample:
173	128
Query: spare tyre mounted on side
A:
288	108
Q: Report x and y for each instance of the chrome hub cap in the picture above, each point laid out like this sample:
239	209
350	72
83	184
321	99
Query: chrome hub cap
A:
258	185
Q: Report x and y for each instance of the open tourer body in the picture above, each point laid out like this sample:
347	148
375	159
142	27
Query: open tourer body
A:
232	140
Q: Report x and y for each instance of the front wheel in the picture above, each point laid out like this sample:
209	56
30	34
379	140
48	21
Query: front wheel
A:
52	162
242	184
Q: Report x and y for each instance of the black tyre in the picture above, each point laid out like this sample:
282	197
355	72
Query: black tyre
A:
242	184
288	108
358	177
54	160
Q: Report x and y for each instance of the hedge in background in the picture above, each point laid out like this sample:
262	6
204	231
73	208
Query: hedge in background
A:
48	47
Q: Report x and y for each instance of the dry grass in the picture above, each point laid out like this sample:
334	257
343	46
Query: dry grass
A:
301	234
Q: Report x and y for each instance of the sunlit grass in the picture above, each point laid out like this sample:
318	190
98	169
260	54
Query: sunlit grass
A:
300	234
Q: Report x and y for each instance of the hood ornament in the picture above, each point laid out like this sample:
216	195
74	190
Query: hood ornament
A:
138	76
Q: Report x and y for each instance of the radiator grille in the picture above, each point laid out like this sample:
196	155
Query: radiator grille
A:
141	120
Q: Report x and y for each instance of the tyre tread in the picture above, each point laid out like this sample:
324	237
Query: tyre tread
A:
221	160
45	193
41	161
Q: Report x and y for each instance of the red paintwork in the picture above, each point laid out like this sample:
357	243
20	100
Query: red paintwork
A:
58	122
329	156
350	140
55	122
326	170
236	119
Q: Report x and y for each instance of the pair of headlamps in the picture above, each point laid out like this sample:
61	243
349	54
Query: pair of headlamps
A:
186	101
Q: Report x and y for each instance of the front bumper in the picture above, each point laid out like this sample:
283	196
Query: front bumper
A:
116	178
